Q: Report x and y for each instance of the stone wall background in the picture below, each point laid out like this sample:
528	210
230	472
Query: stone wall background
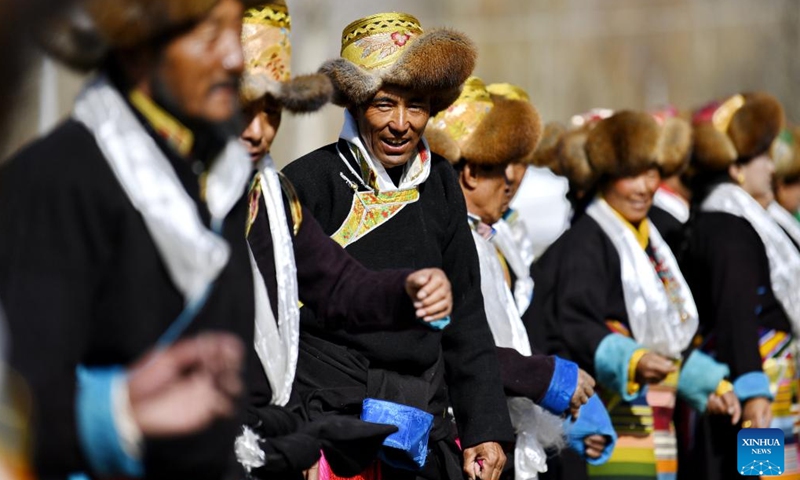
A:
570	55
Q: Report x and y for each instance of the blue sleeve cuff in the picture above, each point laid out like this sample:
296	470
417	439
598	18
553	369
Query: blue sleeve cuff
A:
611	362
699	378
752	385
592	420
562	387
97	430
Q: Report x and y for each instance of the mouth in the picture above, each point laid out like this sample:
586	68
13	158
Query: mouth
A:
395	146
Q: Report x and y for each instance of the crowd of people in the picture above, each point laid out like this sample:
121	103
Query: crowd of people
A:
173	306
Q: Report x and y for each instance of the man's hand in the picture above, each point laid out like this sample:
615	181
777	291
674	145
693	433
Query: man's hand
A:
757	413
183	389
312	473
595	444
583	391
727	404
430	291
484	461
653	368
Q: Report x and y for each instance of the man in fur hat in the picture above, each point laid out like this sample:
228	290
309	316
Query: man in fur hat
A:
380	193
127	226
294	260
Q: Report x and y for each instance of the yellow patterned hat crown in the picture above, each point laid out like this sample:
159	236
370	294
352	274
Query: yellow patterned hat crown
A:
460	120
379	40
509	91
265	42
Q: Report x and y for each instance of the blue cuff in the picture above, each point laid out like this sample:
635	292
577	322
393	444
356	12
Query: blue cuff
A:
96	428
699	378
592	420
611	362
752	385
562	387
439	324
407	448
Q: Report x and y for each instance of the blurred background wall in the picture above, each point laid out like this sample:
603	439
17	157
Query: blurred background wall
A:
570	55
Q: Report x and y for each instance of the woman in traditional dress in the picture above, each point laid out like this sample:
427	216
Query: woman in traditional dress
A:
624	310
745	273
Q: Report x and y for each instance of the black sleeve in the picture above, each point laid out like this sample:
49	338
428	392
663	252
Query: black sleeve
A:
342	291
471	365
525	376
51	245
735	259
581	296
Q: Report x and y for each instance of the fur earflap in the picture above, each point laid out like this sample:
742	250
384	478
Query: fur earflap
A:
712	150
623	144
306	93
509	133
755	125
441	143
573	161
84	33
545	154
436	63
674	146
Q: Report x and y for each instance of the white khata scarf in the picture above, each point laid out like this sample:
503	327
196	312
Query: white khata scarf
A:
373	174
277	343
506	241
193	254
672	204
536	428
663	319
786	220
784	259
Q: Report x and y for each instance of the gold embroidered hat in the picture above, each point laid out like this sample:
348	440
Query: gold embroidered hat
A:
268	55
483	129
85	32
786	153
393	49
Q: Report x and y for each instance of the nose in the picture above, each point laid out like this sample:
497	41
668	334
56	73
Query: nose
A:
399	119
231	51
254	133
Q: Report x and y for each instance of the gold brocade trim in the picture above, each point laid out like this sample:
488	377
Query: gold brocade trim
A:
371	210
254	197
175	133
294	203
379	23
271	15
509	91
724	114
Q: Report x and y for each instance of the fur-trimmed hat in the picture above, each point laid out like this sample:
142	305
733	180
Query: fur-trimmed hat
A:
392	49
572	159
786	153
268	55
514	93
674	146
545	154
483	129
623	144
741	128
85	32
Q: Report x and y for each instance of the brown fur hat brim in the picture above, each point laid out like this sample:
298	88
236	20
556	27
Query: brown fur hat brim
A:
573	161
82	35
674	146
624	144
786	154
545	154
712	150
509	133
755	125
437	63
302	94
441	144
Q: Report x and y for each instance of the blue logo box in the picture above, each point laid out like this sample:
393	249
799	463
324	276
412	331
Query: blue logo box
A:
760	452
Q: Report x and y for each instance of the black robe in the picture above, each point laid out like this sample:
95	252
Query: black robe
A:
432	232
728	270
670	228
83	283
347	295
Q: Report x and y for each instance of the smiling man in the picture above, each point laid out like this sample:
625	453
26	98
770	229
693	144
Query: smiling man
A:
383	195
